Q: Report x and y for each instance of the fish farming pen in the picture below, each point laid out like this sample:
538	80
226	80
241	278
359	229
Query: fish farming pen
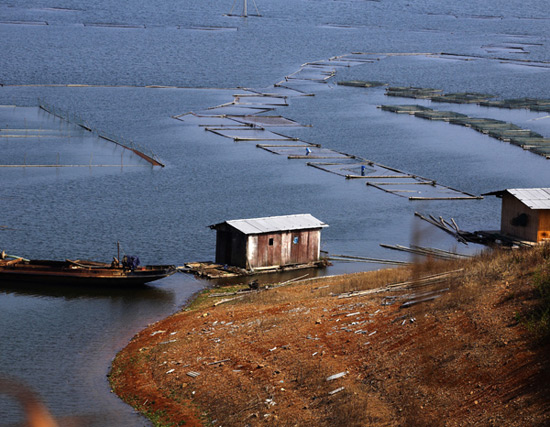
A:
274	147
129	26
412	92
421	189
61	142
319	72
267	121
243	119
246	133
307	152
498	129
361	83
445	116
394	181
462	98
126	144
254	98
404	109
533	104
360	170
482	99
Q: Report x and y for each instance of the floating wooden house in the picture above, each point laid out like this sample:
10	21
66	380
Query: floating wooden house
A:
272	242
525	213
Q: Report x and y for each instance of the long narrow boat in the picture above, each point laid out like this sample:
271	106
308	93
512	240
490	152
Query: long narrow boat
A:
80	273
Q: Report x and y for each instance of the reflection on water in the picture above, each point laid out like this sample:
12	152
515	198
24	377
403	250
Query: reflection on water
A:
68	292
60	340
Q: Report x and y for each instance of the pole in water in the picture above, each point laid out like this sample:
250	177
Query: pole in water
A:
244	13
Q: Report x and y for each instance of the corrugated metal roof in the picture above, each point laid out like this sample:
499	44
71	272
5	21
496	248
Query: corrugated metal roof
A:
534	198
274	223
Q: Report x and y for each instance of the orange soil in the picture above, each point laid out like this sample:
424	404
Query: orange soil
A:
461	359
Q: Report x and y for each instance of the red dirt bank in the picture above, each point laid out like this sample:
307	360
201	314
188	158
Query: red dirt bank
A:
462	359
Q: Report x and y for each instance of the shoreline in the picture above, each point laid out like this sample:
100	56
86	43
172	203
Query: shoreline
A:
300	355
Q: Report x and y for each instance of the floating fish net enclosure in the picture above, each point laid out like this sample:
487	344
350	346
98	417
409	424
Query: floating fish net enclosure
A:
438	115
233	121
412	92
138	150
267	121
232	109
204	121
360	170
483	99
361	83
47	137
498	129
260	99
306	152
246	133
418	189
246	119
462	98
275	146
404	109
394	181
542	105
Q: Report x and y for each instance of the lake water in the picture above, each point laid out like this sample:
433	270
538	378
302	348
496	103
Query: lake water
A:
61	341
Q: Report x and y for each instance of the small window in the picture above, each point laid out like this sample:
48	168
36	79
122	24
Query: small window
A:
271	241
295	240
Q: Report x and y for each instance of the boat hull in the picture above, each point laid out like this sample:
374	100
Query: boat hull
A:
69	273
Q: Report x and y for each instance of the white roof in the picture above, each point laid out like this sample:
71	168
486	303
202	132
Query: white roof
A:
534	198
274	223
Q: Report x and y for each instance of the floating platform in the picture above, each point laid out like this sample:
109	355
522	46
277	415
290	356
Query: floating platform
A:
244	119
462	98
498	129
394	181
211	270
404	109
413	92
482	99
438	115
361	83
48	137
533	104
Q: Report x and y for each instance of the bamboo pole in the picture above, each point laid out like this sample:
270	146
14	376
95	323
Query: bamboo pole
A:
67	166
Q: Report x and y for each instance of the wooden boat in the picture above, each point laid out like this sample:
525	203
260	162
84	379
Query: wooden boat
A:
80	272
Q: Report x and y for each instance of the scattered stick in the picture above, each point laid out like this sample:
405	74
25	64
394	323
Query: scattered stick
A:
351	258
227	300
411	284
219	361
338	390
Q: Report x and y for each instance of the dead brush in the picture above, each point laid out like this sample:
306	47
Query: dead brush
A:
348	408
310	374
369	280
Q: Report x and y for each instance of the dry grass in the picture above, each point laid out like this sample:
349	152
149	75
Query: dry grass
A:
457	360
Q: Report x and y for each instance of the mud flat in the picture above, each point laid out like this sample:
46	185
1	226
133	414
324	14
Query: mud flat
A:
437	343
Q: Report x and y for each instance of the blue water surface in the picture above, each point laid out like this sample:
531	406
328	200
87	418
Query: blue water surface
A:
99	59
